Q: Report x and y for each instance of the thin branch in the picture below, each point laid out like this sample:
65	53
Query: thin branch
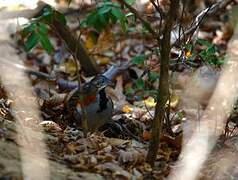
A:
158	9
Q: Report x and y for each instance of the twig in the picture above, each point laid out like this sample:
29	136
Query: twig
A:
158	9
84	117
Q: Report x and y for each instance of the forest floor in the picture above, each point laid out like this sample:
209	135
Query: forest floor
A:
113	153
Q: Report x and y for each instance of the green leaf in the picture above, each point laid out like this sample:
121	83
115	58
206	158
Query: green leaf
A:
140	83
47	10
130	1
113	18
152	93
211	50
104	10
48	13
203	54
138	60
204	42
83	23
104	19
188	47
60	17
118	14
152	76
130	91
28	28
146	25
92	18
31	41
42	28
45	42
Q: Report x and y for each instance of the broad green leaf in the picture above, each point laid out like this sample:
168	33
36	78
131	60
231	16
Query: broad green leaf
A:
203	54
92	18
48	13
104	10
104	19
204	42
113	18
45	42
47	10
140	83
42	28
28	28
152	93
211	50
109	4
130	91
118	14
130	1
146	25
60	17
138	60
31	41
83	24
152	76
98	26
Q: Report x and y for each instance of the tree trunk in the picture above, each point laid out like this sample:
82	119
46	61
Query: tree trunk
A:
163	91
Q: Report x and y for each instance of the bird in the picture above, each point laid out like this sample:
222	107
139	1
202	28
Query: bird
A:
98	106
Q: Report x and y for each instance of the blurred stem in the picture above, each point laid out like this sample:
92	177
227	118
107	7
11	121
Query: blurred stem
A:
81	95
163	90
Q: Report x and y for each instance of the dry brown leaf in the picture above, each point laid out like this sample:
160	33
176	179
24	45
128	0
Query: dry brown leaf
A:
102	60
126	109
105	40
174	100
115	169
173	141
50	126
69	67
131	155
117	94
146	135
89	42
117	142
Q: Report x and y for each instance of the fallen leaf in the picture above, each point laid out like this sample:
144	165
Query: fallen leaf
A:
50	126
174	100
150	102
126	109
105	40
69	67
117	142
131	155
146	135
115	169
